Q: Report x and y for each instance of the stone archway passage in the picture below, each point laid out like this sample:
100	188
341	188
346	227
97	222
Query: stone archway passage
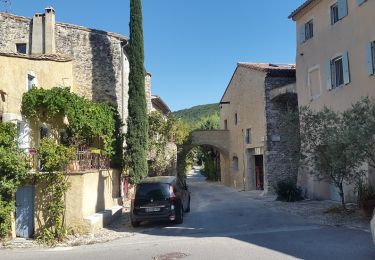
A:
218	139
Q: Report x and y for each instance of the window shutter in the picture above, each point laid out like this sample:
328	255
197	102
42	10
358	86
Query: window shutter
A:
370	60
328	72
343	8
302	34
345	66
359	2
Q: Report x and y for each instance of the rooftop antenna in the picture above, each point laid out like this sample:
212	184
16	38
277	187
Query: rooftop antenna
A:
7	5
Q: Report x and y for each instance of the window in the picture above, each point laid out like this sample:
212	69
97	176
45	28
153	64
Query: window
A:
337	71
235	163
371	58
44	132
307	31
248	136
21	48
226	124
31	81
235	118
334	13
339	10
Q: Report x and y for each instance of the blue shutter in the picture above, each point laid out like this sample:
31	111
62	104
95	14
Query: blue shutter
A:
359	2
328	71
302	34
370	57
345	66
343	8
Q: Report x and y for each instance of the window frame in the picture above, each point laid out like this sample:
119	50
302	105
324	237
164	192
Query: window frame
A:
236	118
334	13
18	45
235	163
309	30
248	136
337	80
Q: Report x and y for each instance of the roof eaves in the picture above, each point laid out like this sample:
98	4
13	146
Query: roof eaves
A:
301	8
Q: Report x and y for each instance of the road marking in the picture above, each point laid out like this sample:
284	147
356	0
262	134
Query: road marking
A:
59	249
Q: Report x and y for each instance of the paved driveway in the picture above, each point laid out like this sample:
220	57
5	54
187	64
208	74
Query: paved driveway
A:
223	224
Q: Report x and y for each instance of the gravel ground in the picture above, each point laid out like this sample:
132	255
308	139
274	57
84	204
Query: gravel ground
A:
313	211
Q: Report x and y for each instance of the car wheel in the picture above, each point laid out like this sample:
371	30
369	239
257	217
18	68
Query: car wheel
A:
179	214
188	207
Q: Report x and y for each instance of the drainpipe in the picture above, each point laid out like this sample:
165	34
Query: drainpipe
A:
243	160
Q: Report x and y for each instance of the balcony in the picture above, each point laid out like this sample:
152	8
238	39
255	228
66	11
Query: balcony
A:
87	159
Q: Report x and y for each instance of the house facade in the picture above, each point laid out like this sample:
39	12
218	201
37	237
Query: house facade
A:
334	64
40	52
251	111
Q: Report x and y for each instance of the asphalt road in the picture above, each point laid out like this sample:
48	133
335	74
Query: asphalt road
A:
222	224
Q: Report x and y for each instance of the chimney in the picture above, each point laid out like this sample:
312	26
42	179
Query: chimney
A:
37	34
49	31
43	34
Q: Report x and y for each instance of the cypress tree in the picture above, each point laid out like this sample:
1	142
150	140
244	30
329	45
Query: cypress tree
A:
137	135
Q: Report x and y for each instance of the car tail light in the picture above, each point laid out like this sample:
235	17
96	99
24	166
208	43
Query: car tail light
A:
172	195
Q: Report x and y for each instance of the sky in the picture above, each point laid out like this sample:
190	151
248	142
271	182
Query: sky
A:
191	46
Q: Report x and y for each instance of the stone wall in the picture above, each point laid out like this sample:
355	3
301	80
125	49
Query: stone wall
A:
279	161
100	66
14	29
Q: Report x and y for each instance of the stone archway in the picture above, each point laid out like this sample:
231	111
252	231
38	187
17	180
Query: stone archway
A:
218	139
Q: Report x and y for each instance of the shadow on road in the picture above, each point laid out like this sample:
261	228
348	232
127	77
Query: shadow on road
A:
218	211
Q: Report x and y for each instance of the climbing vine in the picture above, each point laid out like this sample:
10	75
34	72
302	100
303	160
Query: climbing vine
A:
53	184
13	169
83	119
163	131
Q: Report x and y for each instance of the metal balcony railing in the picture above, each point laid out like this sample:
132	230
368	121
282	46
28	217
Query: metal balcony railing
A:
86	159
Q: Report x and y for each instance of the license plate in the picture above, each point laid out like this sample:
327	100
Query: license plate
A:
152	209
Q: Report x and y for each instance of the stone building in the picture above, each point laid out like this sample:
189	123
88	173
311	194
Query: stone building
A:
40	52
335	61
259	150
99	58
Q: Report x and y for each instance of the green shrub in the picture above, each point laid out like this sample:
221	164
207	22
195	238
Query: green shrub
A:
365	193
13	169
287	190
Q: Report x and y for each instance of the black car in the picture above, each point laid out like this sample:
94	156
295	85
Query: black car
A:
160	198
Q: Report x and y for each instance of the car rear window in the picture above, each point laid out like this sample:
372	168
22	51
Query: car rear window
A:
152	190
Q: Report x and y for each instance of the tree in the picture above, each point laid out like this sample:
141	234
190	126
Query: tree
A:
137	135
361	119
330	147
